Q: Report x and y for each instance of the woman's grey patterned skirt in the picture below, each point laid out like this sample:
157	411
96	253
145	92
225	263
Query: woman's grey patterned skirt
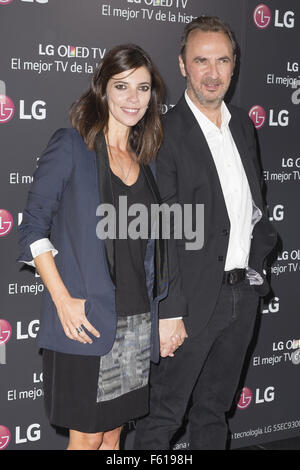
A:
126	367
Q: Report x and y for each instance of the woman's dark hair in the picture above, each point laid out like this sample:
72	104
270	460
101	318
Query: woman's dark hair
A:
90	113
206	24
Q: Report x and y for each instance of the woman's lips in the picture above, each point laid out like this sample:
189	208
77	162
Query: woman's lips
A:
131	111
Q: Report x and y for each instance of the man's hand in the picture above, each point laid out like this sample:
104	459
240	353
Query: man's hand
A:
172	334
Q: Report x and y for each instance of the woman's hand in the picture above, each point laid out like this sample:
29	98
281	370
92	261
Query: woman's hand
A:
172	334
72	317
70	310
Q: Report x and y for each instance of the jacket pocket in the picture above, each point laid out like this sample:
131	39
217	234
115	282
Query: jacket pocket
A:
101	313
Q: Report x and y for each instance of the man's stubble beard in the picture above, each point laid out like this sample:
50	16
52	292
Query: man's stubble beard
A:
214	103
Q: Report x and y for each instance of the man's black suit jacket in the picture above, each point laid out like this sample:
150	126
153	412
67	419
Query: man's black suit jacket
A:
186	174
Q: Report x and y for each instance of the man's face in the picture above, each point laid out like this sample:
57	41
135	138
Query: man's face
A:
208	67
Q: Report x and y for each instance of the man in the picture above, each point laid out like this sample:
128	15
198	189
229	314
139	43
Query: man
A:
209	157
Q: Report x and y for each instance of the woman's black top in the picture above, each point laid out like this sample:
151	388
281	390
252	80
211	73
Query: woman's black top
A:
131	290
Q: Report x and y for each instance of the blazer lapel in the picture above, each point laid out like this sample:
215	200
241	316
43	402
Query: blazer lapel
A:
105	196
161	262
151	182
198	148
196	140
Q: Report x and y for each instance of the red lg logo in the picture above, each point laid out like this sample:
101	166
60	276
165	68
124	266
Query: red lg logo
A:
5	331
258	116
262	16
245	398
4	437
7	109
6	222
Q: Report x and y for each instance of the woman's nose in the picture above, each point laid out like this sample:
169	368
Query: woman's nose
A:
133	96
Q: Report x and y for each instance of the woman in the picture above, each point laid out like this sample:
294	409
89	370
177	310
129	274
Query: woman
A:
99	318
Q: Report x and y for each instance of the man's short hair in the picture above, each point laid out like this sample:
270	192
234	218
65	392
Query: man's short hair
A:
206	24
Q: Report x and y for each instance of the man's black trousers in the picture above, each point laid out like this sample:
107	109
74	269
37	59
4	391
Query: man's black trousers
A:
208	368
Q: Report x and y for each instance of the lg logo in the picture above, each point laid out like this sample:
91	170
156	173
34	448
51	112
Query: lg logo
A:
272	307
31	434
246	397
37	110
23	331
5	331
266	396
5	335
7	108
277	213
259	117
6	222
28	331
262	17
4	437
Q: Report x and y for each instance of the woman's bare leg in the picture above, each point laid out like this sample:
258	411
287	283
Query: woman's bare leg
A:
85	441
111	439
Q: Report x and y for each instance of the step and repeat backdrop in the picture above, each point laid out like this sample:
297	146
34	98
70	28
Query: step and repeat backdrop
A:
49	49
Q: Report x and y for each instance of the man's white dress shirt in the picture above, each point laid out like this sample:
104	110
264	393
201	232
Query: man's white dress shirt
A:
234	184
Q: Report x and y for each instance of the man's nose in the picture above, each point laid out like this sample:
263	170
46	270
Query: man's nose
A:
213	70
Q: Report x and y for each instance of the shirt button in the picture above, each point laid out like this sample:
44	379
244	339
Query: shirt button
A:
225	232
220	258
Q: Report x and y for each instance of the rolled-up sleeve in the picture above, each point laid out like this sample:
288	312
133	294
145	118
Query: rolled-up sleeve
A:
38	248
49	182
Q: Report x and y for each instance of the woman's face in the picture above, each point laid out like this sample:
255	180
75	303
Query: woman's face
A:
128	95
